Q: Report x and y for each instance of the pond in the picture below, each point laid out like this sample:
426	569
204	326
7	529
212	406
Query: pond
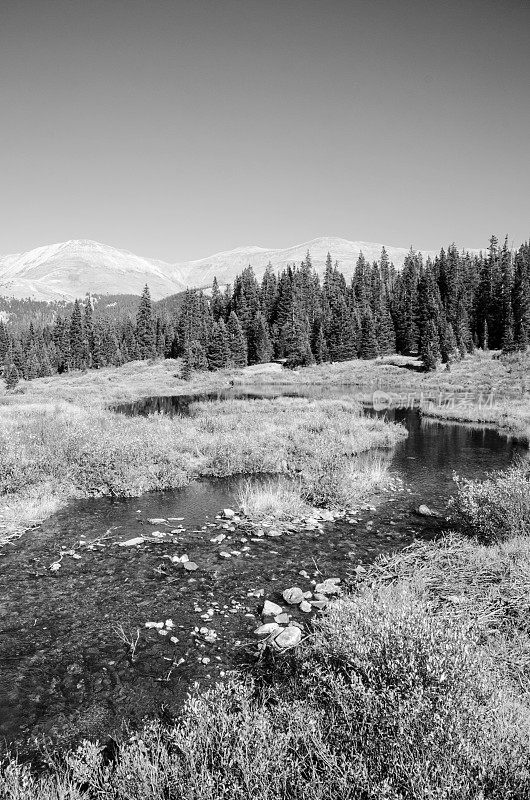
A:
65	672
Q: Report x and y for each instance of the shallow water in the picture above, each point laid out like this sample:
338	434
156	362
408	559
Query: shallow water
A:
64	672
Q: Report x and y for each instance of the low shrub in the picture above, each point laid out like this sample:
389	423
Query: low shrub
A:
496	508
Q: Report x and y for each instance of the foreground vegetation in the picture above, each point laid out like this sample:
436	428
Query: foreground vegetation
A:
53	452
414	685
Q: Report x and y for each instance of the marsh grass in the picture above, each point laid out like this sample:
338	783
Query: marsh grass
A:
67	451
337	481
279	499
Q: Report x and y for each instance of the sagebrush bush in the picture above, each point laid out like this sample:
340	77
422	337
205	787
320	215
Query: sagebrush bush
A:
496	508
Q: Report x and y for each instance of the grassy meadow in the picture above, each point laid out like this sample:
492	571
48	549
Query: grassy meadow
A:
414	685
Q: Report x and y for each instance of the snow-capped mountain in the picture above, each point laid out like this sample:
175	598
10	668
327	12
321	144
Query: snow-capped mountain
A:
71	269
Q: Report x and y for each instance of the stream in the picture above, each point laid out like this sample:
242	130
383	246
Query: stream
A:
65	672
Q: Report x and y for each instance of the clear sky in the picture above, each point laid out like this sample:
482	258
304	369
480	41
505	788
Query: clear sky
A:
178	128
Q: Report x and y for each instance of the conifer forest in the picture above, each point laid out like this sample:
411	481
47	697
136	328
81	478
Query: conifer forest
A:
438	309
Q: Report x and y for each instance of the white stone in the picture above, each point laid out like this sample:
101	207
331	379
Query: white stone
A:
293	596
267	629
288	638
132	542
271	609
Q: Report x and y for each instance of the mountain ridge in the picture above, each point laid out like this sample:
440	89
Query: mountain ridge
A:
65	270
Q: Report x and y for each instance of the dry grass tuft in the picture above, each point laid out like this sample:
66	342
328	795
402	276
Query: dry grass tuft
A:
278	499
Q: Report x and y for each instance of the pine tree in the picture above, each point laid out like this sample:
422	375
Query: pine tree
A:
429	346
368	336
269	294
508	339
145	329
386	334
217	302
46	368
88	325
218	352
262	347
199	360
521	299
78	347
406	308
129	340
485	336
160	338
296	340
4	341
430	319
11	376
187	367
236	341
448	345
318	344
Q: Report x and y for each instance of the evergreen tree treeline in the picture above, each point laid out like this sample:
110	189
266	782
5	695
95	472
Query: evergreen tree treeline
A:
440	309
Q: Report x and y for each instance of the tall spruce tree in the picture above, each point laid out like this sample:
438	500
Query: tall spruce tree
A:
11	376
406	307
145	327
430	319
261	343
368	336
217	302
236	341
78	356
521	299
218	352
